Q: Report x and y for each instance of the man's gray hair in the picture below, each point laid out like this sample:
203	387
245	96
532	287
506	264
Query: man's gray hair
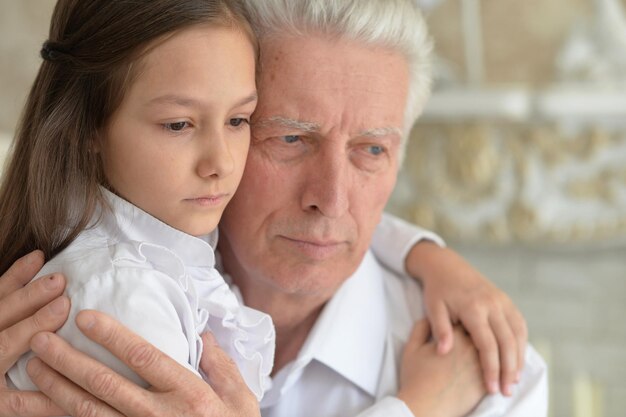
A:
395	24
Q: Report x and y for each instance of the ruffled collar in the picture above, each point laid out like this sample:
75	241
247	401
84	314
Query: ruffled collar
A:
245	334
126	221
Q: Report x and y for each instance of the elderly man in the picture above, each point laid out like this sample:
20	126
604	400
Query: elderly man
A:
340	85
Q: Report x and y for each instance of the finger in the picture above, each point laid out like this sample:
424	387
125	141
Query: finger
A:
471	360
520	329
24	302
27	404
507	347
14	341
420	334
142	357
441	323
66	394
81	371
222	372
485	341
21	272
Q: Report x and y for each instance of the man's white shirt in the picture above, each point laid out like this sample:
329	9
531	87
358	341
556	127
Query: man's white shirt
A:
349	364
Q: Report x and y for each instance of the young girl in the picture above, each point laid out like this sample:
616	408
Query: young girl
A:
133	140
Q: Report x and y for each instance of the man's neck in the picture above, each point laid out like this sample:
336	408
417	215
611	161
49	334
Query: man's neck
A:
293	315
290	337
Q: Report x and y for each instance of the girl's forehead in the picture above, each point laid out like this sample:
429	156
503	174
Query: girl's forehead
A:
199	66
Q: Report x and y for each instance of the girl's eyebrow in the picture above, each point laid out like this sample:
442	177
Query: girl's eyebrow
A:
178	100
249	99
185	101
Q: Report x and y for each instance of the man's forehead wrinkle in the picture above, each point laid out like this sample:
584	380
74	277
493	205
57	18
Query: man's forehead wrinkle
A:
341	88
338	79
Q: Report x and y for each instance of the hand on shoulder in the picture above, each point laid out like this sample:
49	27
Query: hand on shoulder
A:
27	308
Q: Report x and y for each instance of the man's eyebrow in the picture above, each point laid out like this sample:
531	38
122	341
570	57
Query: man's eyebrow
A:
299	125
381	132
312	127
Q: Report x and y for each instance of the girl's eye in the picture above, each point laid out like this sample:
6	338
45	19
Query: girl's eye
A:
238	121
176	126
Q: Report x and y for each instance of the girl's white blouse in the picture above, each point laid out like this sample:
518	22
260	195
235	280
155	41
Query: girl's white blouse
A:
163	285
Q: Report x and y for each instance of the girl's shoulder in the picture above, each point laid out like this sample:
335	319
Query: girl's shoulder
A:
116	261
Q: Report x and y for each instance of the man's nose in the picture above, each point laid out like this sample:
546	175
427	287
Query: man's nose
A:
216	159
327	185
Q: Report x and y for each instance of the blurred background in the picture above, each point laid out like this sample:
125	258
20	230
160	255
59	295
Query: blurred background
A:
519	162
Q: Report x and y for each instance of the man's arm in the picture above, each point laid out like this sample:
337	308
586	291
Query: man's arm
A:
73	383
85	387
454	292
24	311
431	384
81	385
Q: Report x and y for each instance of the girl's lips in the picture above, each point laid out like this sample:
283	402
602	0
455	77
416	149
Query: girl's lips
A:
209	200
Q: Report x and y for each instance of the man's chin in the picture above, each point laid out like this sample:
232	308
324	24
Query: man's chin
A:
314	278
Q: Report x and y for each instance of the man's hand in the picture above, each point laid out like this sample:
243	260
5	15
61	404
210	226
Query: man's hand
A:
434	385
454	292
24	311
84	387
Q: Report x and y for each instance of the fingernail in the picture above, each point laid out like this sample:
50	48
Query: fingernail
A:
52	282
40	342
31	258
508	391
85	320
59	306
518	377
493	387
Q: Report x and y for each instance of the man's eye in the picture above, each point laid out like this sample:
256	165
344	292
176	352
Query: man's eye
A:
291	138
238	121
376	150
176	126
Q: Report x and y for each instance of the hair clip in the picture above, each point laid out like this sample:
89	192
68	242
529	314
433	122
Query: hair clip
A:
49	53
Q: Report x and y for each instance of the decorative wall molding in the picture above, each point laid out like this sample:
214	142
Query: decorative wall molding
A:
523	165
509	181
594	51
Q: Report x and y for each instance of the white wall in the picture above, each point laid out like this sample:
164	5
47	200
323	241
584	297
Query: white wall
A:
5	141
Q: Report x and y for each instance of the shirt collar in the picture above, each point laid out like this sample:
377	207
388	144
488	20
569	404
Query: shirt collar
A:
350	334
126	221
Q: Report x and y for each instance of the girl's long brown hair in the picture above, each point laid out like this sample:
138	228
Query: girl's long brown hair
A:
50	187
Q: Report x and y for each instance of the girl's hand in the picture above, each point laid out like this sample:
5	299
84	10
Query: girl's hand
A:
84	387
434	385
26	309
454	292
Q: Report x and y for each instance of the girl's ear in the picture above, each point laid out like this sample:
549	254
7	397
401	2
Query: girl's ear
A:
96	143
